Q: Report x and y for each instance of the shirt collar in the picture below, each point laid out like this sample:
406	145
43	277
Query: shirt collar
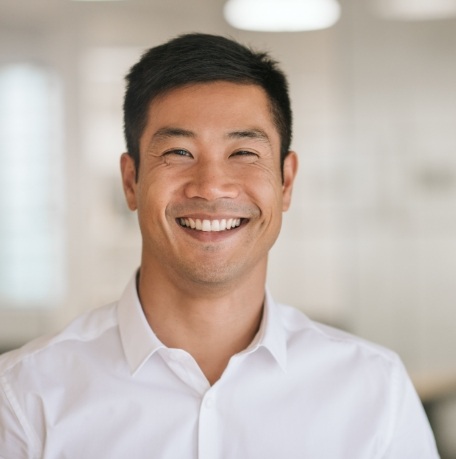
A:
138	339
140	342
271	335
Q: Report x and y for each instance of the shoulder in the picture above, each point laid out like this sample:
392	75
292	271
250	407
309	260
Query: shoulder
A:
83	330
34	378
305	335
363	380
345	364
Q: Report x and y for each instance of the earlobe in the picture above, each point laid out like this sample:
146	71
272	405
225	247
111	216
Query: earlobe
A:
128	171
290	169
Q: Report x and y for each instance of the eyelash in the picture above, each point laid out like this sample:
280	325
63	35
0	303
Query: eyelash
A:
245	153
178	152
182	152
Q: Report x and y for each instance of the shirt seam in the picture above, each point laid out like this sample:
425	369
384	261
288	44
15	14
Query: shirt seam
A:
394	409
14	404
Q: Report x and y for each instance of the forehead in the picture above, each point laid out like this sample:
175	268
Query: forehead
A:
217	104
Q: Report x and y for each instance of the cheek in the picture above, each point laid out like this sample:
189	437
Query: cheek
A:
267	196
267	186
152	198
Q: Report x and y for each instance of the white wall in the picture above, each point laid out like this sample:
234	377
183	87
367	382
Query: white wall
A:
370	243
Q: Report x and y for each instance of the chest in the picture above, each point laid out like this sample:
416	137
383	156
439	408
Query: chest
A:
265	413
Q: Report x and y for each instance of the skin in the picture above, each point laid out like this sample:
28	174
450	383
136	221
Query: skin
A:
209	151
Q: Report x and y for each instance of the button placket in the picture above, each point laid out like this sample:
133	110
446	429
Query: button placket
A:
208	431
186	368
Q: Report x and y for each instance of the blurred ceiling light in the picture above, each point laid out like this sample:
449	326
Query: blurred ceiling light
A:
281	15
415	10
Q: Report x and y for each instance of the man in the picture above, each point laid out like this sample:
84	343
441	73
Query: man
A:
196	360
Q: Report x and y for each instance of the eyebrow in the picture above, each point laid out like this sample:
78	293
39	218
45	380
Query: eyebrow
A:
256	134
168	132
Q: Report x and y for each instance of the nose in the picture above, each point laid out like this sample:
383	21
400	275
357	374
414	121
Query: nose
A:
211	180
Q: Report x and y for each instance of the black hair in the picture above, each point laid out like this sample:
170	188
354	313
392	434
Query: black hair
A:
201	58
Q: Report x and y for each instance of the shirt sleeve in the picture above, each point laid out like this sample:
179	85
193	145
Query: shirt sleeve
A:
411	435
15	441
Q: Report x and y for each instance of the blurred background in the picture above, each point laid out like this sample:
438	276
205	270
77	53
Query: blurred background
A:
370	242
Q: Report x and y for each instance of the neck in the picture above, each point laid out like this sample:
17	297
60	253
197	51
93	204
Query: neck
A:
211	323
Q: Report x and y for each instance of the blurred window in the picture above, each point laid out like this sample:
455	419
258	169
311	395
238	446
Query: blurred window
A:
31	176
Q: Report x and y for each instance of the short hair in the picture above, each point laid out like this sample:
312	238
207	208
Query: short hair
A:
202	58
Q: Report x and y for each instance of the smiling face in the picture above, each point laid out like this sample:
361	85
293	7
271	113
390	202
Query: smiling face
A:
209	192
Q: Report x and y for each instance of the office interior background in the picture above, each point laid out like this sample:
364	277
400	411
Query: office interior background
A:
369	244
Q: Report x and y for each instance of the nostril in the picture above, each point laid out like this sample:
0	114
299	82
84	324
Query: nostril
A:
212	185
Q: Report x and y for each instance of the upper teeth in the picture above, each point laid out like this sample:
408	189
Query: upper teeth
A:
210	225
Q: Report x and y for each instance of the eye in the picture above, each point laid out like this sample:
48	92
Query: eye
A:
245	153
178	152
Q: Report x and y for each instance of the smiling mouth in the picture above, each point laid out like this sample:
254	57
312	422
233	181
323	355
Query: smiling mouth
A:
210	225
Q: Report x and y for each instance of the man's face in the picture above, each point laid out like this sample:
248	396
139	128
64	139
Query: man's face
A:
209	193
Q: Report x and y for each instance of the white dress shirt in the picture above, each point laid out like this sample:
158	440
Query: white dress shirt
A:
107	388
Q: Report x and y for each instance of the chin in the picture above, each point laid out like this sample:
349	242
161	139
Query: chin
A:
211	275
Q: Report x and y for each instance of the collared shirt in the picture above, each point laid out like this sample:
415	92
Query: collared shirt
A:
106	387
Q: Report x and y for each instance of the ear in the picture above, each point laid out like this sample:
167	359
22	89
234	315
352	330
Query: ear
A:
290	168
128	170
